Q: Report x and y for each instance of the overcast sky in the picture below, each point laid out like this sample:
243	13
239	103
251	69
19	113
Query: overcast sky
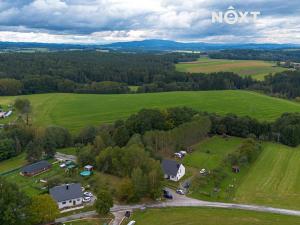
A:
104	21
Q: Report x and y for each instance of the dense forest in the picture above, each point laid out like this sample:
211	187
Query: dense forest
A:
114	73
268	55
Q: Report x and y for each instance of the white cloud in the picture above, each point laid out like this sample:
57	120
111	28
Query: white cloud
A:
97	21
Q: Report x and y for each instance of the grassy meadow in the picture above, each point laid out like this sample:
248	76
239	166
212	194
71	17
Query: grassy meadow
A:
13	163
255	68
272	180
210	153
75	111
209	216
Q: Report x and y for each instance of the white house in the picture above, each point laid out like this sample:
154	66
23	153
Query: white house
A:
67	195
173	170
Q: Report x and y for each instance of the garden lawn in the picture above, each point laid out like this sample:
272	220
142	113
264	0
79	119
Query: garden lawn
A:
32	185
12	163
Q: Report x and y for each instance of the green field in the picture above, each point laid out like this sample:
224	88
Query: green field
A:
208	216
210	153
274	179
12	163
256	69
75	111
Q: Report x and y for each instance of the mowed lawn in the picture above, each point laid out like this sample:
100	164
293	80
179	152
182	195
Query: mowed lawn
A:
75	111
32	185
12	163
274	179
255	68
209	216
210	153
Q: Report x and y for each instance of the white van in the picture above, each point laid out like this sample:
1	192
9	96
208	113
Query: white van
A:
132	222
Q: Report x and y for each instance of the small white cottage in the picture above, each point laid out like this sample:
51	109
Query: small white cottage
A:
67	195
173	170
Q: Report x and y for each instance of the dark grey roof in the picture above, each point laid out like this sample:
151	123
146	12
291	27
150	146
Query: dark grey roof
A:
66	192
36	166
170	167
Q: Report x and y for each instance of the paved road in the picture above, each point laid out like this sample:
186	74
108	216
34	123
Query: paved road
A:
65	157
183	201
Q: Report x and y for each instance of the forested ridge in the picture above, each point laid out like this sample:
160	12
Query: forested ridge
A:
249	54
114	73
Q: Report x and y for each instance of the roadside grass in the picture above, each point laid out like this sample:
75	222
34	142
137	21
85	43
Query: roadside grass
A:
13	163
77	211
274	179
209	216
89	221
255	68
75	111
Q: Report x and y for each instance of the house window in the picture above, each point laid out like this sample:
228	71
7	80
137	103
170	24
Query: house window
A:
63	203
78	199
70	201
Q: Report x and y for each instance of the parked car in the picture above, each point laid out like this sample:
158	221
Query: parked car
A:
132	222
178	155
183	153
180	191
63	165
88	194
127	214
167	194
86	199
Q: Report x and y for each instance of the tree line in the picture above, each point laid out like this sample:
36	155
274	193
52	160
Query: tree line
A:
159	131
113	73
249	54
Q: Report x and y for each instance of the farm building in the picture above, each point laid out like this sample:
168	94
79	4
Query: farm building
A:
35	168
67	195
173	170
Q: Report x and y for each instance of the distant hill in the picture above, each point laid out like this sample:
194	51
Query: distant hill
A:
145	45
167	45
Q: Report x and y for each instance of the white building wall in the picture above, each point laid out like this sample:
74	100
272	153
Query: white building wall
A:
180	174
70	203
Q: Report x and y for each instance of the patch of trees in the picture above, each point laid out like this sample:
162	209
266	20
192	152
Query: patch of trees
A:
96	72
142	175
16	208
145	120
268	55
286	129
203	82
181	137
37	142
82	71
212	184
285	84
245	154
